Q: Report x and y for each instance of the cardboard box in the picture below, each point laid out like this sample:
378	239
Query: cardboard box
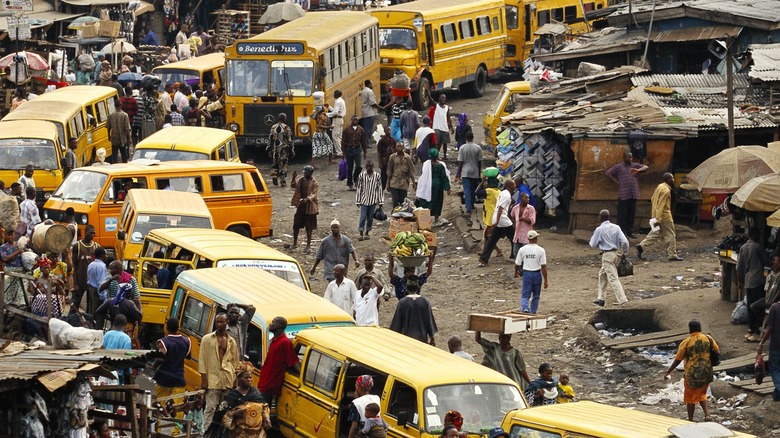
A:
430	238
89	30
398	225
423	216
506	322
109	28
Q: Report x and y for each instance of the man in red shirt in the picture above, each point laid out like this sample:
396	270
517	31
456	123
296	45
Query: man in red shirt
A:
281	357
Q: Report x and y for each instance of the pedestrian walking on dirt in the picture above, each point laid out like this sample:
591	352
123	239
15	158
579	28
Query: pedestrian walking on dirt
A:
341	291
307	205
169	377
334	250
533	260
662	213
400	173
469	168
626	176
280	147
504	358
354	145
613	244
503	227
336	115
750	279
368	196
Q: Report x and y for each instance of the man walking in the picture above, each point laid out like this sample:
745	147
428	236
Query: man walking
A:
83	253
169	377
341	291
334	250
750	279
97	272
409	122
366	304
772	330
442	124
28	211
370	110
307	205
413	315
238	325
70	157
337	113
612	243
400	173
369	194
280	358
533	260
662	212
354	142
280	147
503	227
385	148
368	269
469	168
626	176
119	133
504	358
771	291
217	366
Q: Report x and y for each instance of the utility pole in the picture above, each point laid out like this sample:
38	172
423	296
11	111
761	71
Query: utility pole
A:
730	90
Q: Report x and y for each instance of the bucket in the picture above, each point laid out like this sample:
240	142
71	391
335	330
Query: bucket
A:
54	238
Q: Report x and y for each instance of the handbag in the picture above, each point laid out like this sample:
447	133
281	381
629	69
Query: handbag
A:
760	368
714	354
625	267
343	169
379	214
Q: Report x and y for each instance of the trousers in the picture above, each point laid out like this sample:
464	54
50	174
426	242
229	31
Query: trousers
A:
608	275
626	212
666	233
354	161
532	291
338	128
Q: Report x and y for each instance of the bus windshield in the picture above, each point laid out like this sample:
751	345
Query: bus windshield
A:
147	222
173	75
397	38
293	76
247	78
81	185
483	405
17	153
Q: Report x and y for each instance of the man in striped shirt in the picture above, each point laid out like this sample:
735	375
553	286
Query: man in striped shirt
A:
369	194
176	118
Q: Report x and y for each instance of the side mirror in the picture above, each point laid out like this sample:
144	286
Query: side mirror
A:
403	418
121	235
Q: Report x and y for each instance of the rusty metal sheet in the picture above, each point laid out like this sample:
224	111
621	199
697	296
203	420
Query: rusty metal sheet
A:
702	33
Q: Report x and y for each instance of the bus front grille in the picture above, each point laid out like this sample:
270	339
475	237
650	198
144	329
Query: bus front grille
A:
258	119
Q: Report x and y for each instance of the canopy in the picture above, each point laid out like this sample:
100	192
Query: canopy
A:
759	194
730	169
81	21
118	47
34	61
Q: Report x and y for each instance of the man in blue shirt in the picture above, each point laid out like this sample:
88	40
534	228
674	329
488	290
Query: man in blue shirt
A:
117	339
401	283
609	238
150	39
96	274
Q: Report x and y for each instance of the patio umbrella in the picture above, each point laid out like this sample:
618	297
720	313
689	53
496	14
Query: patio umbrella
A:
731	168
81	21
759	194
34	61
124	78
118	47
281	13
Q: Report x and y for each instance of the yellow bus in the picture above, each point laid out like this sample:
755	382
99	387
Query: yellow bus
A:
442	44
200	70
278	72
35	142
525	17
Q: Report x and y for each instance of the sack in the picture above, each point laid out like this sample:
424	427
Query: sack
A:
343	169
86	63
714	354
624	267
760	368
379	214
740	313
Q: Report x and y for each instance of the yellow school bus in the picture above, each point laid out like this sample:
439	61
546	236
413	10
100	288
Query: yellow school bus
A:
278	72
33	142
200	70
525	17
442	44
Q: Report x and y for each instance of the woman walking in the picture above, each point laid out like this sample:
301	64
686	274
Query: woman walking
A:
321	144
433	182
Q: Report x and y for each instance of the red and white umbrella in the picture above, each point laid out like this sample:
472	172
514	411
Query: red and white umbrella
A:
34	61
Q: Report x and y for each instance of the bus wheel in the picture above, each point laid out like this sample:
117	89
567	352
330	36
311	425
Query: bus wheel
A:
476	88
241	229
422	97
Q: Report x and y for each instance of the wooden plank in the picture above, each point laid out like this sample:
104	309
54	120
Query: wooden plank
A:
646	337
650	343
738	362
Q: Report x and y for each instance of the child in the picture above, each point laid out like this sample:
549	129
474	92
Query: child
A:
565	391
375	426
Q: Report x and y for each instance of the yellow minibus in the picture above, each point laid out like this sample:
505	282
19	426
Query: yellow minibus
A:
202	294
68	117
507	101
235	193
596	420
416	383
97	103
200	70
179	143
442	45
31	142
278	71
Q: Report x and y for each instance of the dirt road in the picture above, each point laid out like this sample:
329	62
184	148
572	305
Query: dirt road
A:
458	287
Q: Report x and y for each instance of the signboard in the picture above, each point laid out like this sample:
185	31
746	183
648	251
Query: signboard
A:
268	48
16	5
21	24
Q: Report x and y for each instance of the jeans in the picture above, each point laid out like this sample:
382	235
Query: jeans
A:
398	196
515	248
774	371
383	176
753	294
532	286
495	236
469	187
354	157
626	211
366	217
368	128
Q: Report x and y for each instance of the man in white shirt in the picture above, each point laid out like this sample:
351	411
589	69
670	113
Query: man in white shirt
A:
423	132
442	124
455	345
26	180
336	114
341	291
366	301
370	110
180	97
503	225
609	238
28	211
533	259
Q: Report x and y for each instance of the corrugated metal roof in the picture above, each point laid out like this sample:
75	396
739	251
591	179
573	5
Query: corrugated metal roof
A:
764	10
747	13
715	119
694	33
607	40
741	80
766	62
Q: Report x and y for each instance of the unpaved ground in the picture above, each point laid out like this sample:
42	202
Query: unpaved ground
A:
458	287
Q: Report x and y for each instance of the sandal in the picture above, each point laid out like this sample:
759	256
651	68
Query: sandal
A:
482	264
752	338
706	419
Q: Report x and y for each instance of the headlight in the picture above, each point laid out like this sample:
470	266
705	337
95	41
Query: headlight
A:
304	129
233	127
47	195
84	219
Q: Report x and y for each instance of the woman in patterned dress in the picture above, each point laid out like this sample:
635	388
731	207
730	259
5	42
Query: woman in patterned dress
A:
321	143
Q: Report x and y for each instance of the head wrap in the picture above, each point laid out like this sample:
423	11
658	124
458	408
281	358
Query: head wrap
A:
101	154
433	154
364	382
335	222
463	118
243	367
127	58
44	262
308	169
454	418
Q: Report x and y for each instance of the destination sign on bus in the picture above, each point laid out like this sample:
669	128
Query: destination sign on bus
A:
269	48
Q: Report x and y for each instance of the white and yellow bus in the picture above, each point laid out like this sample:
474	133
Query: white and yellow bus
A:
279	70
525	17
442	44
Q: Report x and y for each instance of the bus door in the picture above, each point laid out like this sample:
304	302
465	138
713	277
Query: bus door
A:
429	44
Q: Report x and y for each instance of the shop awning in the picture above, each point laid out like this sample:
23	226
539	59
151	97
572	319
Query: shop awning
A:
704	33
144	8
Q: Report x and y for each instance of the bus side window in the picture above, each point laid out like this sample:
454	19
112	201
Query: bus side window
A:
195	318
258	182
436	36
466	29
403	398
448	32
101	111
543	17
570	13
557	14
254	345
483	25
423	52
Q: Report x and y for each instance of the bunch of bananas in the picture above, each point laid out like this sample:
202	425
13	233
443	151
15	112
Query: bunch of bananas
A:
408	244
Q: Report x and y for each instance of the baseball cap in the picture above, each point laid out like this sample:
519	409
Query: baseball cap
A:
533	234
497	432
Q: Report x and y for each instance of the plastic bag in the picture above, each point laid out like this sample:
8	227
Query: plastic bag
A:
379	214
740	313
343	169
625	267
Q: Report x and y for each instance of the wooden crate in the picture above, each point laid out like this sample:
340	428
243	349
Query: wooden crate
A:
109	28
507	322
